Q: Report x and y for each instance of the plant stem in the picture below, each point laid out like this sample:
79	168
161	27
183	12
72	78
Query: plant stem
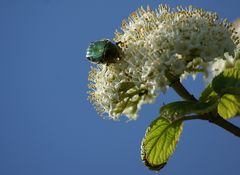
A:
179	88
212	117
221	122
217	120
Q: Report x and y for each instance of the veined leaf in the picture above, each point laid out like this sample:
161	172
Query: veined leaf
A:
160	142
207	94
229	78
229	106
237	63
175	110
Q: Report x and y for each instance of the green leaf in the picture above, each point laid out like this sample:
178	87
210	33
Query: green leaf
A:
163	134
237	64
207	94
229	78
160	142
231	90
227	86
229	106
178	109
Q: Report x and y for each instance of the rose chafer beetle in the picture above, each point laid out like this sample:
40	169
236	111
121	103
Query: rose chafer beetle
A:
103	52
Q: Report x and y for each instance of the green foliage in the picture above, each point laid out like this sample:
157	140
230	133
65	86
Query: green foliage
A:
208	94
178	109
163	134
231	90
160	142
161	138
237	63
229	106
225	87
229	78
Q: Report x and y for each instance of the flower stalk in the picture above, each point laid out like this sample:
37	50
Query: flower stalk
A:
179	88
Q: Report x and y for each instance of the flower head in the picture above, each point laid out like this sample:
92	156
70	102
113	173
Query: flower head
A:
182	41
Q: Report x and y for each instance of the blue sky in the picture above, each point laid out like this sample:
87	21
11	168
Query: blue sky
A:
48	127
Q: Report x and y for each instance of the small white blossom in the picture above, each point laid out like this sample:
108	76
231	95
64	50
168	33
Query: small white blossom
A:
218	65
182	41
236	25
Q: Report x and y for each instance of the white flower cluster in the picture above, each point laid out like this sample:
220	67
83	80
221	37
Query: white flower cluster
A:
181	42
219	64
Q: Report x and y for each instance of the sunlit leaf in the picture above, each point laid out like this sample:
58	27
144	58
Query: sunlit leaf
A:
160	142
237	63
229	78
229	106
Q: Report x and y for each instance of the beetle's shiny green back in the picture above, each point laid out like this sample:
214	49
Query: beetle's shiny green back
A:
103	51
96	50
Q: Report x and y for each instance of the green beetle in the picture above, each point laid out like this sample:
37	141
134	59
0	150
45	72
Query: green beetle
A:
103	52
